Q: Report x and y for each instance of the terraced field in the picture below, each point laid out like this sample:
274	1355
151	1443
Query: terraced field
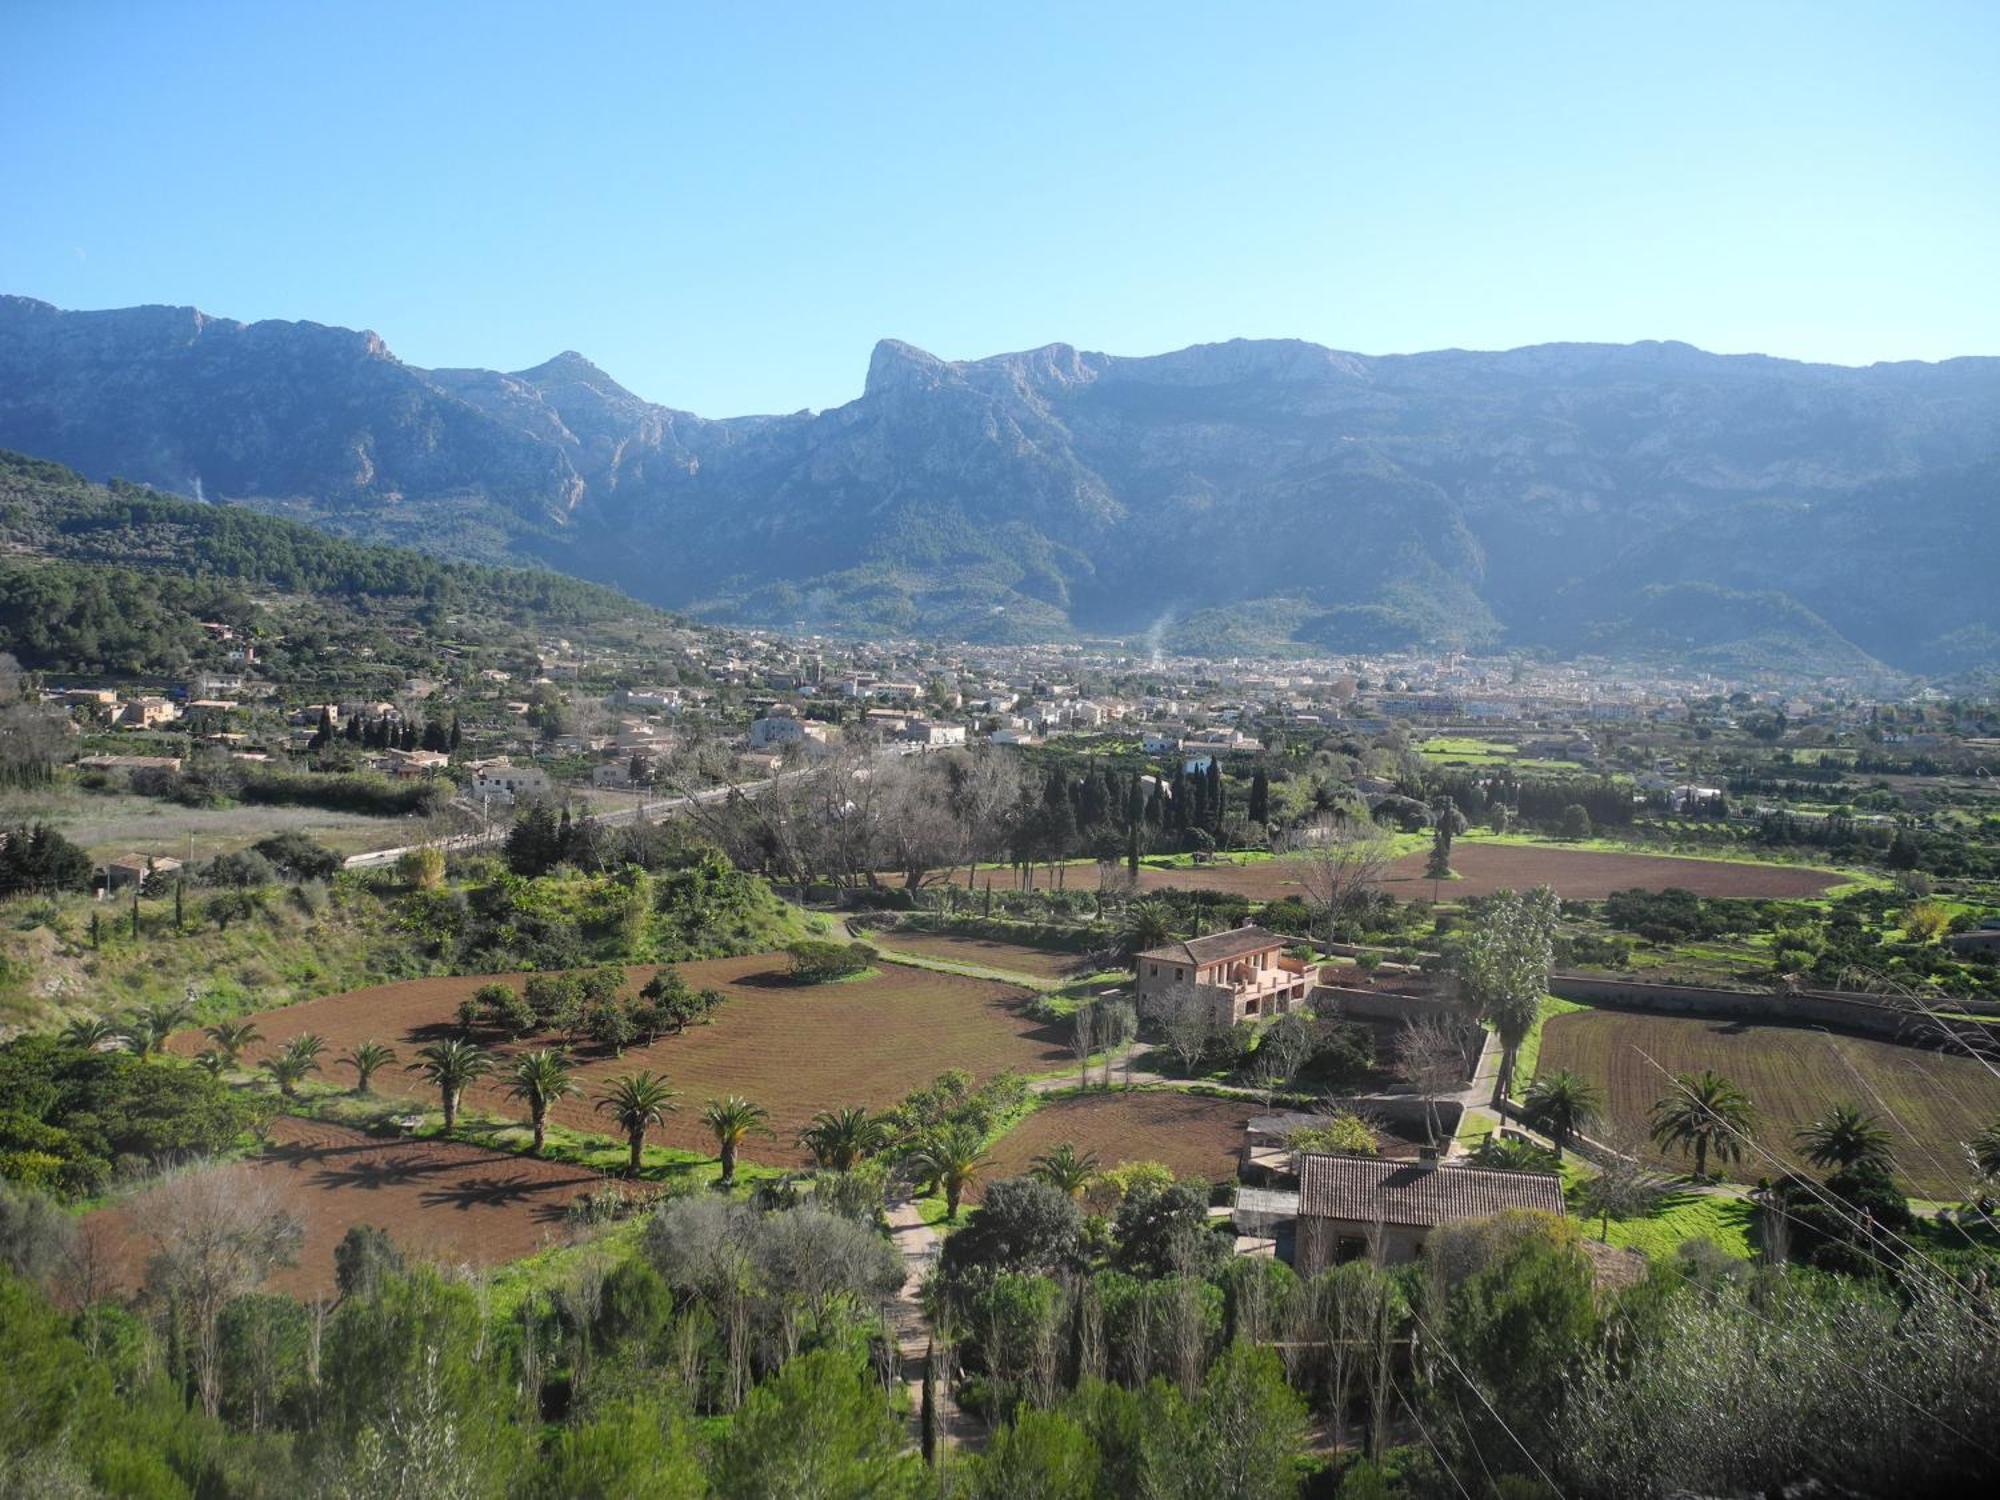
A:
440	1200
793	1049
984	953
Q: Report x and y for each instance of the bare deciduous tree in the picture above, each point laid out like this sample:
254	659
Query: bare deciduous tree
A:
1187	1022
1624	1187
217	1232
1340	863
1083	1040
1430	1058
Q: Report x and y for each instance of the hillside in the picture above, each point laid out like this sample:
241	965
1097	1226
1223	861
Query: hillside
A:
1248	491
118	579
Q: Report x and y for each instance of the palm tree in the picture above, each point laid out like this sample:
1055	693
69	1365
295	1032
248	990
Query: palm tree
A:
231	1037
91	1033
292	1065
951	1157
1846	1136
451	1065
1562	1106
1704	1112
309	1044
1065	1169
638	1102
153	1024
1985	1151
729	1120
841	1139
541	1078
211	1062
368	1059
1149	923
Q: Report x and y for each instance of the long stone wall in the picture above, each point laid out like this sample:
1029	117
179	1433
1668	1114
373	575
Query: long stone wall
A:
1888	1017
1880	1017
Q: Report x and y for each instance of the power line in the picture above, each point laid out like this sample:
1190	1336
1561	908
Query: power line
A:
1445	1350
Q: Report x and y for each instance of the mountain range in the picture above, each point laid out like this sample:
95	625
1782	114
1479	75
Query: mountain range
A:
1635	500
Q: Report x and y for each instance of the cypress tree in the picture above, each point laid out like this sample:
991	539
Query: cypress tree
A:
1260	797
456	735
930	1413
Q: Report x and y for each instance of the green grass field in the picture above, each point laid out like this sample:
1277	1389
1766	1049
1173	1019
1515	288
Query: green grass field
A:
111	823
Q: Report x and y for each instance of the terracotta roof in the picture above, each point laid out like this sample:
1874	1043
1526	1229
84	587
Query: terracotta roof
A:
1218	947
1416	1194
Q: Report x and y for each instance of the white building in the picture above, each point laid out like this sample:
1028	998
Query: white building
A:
503	781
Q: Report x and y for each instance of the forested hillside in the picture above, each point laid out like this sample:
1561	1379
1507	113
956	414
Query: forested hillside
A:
117	578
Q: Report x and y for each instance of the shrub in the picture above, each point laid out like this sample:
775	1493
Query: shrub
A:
422	869
1342	1131
816	962
299	857
1502	1154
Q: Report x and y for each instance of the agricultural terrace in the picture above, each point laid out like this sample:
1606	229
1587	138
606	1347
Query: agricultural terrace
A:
983	953
1592	874
440	1200
1930	1102
795	1049
1193	1135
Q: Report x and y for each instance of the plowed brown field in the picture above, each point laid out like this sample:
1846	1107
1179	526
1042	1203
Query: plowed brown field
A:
1576	874
984	953
439	1200
1194	1135
793	1049
1928	1101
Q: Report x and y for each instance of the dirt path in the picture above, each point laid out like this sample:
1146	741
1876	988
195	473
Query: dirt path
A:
920	1243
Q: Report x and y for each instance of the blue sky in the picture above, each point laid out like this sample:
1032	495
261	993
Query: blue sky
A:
726	205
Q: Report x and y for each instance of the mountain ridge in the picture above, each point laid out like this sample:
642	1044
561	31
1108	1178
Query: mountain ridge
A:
1447	497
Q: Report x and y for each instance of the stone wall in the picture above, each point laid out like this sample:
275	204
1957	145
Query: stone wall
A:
1882	1017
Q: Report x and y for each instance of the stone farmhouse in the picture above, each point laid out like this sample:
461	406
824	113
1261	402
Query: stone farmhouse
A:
1243	973
1349	1207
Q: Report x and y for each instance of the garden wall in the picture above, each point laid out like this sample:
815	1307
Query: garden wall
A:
1881	1017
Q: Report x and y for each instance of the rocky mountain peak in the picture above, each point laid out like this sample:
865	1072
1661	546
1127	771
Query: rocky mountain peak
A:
897	366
